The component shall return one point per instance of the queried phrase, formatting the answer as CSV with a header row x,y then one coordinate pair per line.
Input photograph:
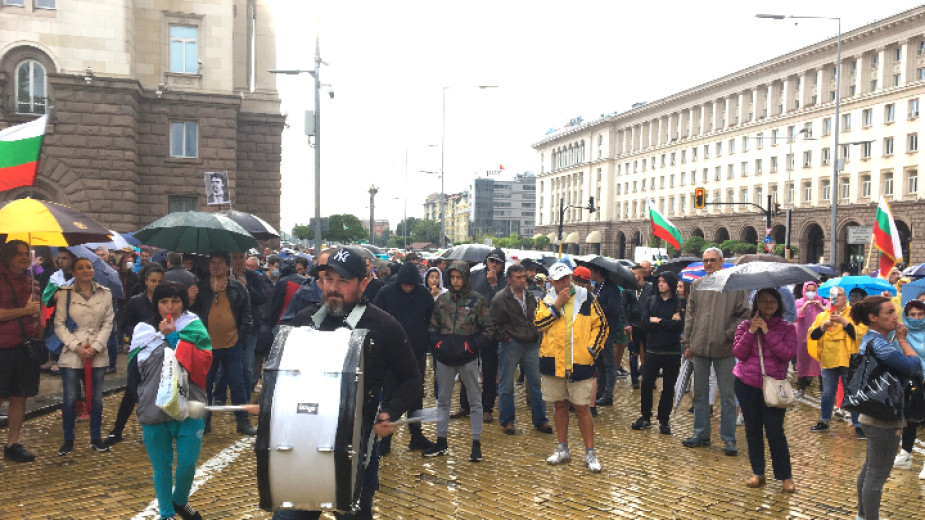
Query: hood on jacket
x,y
670,278
440,284
463,269
497,254
408,274
286,267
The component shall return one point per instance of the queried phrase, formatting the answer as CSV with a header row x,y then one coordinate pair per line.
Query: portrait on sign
x,y
217,188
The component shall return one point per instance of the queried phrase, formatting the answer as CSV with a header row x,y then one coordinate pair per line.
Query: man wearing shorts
x,y
574,332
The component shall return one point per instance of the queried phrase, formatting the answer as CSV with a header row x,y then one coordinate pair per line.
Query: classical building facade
x,y
457,214
766,130
502,207
143,99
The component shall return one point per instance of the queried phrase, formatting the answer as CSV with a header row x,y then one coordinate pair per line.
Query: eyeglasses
x,y
710,260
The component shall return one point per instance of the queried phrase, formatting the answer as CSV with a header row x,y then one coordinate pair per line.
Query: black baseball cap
x,y
348,262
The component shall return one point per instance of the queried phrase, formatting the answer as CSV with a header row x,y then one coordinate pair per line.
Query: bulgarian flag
x,y
886,238
663,228
19,153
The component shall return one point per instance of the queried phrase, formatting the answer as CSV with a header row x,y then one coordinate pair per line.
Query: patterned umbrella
x,y
695,271
256,226
196,232
42,223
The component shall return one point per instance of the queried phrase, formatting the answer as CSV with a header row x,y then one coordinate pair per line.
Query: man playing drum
x,y
390,353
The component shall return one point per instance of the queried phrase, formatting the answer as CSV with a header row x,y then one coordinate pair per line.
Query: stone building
x,y
502,207
767,130
457,214
143,99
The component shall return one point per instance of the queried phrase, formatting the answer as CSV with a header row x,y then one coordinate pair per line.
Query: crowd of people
x,y
565,329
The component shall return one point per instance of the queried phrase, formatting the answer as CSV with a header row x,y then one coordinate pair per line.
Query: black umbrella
x,y
616,272
757,275
372,249
256,226
676,265
474,253
822,269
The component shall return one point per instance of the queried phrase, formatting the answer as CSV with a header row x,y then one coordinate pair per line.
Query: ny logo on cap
x,y
342,255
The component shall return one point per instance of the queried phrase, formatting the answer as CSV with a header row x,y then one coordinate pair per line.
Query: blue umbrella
x,y
130,238
103,273
695,271
912,291
872,286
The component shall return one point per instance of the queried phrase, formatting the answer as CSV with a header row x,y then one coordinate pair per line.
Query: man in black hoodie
x,y
411,305
488,282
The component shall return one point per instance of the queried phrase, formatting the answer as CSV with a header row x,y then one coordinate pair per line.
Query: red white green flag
x,y
19,153
663,228
886,238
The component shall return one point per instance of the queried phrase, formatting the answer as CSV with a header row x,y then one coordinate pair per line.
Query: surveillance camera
x,y
331,93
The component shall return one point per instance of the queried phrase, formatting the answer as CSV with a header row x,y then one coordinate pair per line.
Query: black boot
x,y
419,442
438,449
244,426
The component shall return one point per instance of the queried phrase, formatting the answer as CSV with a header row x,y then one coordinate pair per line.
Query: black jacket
x,y
372,288
632,301
138,309
479,280
412,310
237,298
511,322
389,357
610,298
663,337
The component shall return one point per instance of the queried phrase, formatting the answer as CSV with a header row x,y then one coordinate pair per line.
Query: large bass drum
x,y
311,444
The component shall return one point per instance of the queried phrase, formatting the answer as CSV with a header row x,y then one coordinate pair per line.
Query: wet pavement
x,y
646,474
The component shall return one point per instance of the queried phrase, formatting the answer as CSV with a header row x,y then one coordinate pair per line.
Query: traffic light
x,y
777,209
700,198
591,205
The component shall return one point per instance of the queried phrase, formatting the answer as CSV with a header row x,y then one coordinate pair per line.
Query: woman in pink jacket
x,y
808,307
779,344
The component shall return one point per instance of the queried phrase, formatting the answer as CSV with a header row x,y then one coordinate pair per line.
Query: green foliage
x,y
425,231
794,250
541,242
303,231
737,247
345,228
695,246
401,230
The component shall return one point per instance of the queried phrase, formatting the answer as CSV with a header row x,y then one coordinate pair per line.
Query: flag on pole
x,y
663,228
886,238
19,153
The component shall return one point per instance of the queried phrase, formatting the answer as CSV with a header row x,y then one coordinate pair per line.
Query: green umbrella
x,y
196,232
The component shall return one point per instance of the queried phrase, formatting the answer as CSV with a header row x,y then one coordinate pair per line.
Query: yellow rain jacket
x,y
572,336
835,347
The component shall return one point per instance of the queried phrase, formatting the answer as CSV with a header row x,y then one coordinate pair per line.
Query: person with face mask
x,y
808,307
914,319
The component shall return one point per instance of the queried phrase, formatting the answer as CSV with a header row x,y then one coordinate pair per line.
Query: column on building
x,y
696,120
685,124
717,115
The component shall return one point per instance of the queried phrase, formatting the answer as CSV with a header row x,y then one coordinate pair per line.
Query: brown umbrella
x,y
759,257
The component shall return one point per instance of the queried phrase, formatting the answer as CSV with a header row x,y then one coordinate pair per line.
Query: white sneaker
x,y
559,456
922,474
591,462
903,460
740,420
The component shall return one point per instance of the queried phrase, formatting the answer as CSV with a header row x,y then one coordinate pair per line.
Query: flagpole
x,y
870,253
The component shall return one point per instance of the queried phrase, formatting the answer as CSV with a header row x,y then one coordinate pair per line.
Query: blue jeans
x,y
725,380
70,378
230,360
370,486
830,378
250,347
511,353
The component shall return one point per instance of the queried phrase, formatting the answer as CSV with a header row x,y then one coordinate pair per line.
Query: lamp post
x,y
836,162
442,148
373,190
315,73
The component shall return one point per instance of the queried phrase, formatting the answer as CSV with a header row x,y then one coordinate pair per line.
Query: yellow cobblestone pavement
x,y
646,474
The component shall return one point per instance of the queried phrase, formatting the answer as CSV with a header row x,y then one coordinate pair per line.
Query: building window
x,y
874,62
807,158
758,166
827,126
845,189
866,149
912,143
807,192
865,186
14,3
684,178
183,49
683,156
730,174
846,122
732,146
899,54
177,203
743,196
896,80
671,181
694,153
913,108
184,139
30,88
760,144
706,150
826,190
912,181
661,182
889,113
774,164
759,195
888,184
774,135
867,117
826,155
44,4
920,74
887,146
921,50
790,188
718,176
744,169
719,149
790,162
873,85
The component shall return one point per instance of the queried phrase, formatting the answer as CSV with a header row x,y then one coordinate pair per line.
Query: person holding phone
x,y
778,342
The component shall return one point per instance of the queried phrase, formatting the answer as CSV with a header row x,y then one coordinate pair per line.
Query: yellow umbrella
x,y
42,223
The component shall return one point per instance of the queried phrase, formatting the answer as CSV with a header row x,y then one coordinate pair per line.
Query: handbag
x,y
173,387
53,343
35,348
914,409
777,392
873,389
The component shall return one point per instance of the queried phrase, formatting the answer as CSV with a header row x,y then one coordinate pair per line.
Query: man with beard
x,y
388,357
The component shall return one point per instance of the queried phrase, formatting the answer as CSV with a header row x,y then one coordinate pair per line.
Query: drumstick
x,y
425,415
198,409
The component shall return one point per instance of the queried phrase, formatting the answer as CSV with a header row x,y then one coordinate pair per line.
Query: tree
x,y
303,231
405,227
695,246
384,239
541,242
779,250
345,228
426,231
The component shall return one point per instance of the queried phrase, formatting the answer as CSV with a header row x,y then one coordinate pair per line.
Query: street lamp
x,y
836,166
442,148
315,73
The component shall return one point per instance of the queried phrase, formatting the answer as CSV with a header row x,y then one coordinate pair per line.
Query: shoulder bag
x,y
777,392
35,348
873,389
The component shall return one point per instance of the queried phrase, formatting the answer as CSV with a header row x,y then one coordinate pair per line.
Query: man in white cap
x,y
574,332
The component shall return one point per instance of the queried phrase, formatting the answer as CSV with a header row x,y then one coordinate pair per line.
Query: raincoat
x,y
835,347
807,366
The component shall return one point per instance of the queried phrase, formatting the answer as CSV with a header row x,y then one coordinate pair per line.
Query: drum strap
x,y
350,321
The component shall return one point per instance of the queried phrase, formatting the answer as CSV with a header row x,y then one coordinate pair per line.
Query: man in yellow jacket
x,y
574,331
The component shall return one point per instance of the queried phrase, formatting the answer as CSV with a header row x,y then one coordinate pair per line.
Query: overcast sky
x,y
551,61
